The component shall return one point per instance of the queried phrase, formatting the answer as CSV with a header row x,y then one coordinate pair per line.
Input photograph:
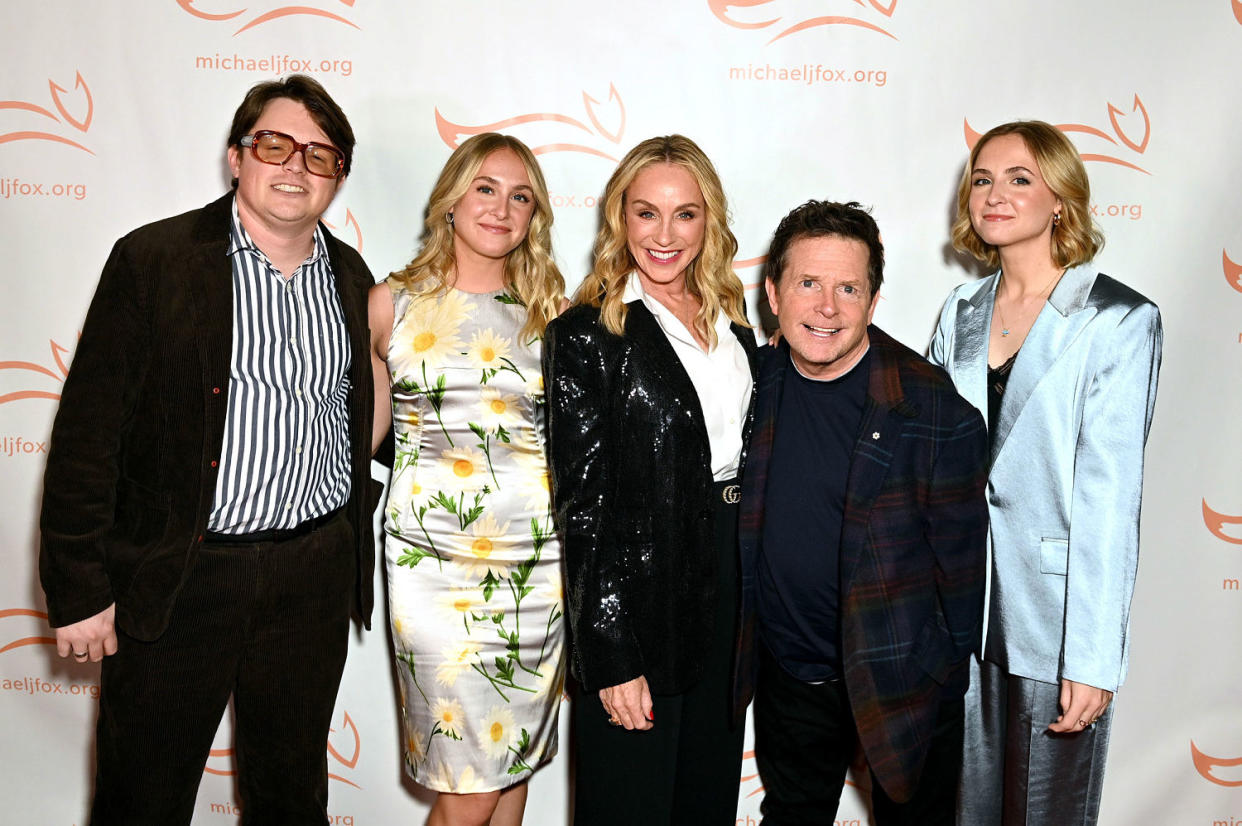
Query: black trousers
x,y
805,741
687,768
265,623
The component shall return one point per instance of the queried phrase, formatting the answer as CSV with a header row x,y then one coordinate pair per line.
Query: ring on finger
x,y
81,655
614,721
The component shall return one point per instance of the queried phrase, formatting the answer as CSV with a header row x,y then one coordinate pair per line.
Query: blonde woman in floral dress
x,y
473,562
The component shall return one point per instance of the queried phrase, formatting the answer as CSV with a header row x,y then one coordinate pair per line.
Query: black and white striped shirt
x,y
286,436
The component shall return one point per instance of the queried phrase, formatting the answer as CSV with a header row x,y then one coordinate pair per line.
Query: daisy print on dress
x,y
499,737
499,410
429,332
430,328
462,476
415,486
489,353
442,778
414,752
405,657
498,413
509,672
449,717
456,658
552,595
488,542
480,623
460,605
533,482
553,680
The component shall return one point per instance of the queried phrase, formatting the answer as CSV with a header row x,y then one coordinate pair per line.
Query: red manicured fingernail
x,y
651,715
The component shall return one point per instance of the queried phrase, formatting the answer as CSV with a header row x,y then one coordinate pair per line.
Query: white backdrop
x,y
113,114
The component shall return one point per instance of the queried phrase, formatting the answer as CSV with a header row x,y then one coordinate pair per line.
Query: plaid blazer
x,y
912,555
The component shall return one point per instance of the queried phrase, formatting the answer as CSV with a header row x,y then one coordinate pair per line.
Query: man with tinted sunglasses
x,y
206,523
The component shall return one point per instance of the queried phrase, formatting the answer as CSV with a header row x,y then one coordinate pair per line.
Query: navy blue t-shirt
x,y
799,568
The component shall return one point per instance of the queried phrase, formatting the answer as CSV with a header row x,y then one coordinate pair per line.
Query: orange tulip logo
x,y
785,26
1119,137
1233,271
224,765
1216,523
747,757
564,133
350,220
1207,766
57,373
1237,10
21,640
194,7
81,92
750,280
354,741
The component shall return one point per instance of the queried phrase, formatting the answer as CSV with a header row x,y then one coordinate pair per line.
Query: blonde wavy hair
x,y
1076,239
530,271
709,277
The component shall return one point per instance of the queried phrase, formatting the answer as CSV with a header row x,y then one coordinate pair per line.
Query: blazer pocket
x,y
141,529
933,649
1054,556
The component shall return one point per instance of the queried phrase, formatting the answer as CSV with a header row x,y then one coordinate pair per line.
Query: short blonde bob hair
x,y
1075,239
709,277
530,271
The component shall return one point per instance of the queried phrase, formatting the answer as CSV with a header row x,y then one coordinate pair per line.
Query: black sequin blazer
x,y
631,478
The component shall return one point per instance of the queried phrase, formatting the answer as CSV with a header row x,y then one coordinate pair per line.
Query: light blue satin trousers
x,y
1017,773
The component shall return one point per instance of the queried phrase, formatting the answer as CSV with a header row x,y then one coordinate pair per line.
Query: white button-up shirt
x,y
721,378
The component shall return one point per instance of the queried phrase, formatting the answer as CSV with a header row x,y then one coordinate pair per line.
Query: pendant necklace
x,y
1047,290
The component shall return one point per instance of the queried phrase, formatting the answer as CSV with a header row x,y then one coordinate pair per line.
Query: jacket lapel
x,y
654,348
350,286
209,275
970,344
1060,321
351,289
746,337
763,433
884,415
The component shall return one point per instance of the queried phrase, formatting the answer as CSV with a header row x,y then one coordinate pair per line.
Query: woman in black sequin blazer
x,y
649,379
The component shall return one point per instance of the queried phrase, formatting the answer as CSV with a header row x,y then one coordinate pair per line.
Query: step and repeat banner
x,y
114,114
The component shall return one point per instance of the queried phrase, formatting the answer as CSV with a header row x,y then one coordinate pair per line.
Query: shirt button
x,y
299,450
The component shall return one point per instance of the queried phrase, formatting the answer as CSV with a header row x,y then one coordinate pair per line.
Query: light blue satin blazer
x,y
1066,481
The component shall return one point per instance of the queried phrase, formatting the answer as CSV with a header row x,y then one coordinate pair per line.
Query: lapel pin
x,y
875,435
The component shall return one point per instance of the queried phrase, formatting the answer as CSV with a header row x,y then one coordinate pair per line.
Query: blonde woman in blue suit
x,y
1062,360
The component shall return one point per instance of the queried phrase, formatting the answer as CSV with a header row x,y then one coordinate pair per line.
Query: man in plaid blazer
x,y
863,541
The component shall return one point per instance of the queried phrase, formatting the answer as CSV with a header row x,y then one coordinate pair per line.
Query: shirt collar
x,y
853,366
240,240
668,321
